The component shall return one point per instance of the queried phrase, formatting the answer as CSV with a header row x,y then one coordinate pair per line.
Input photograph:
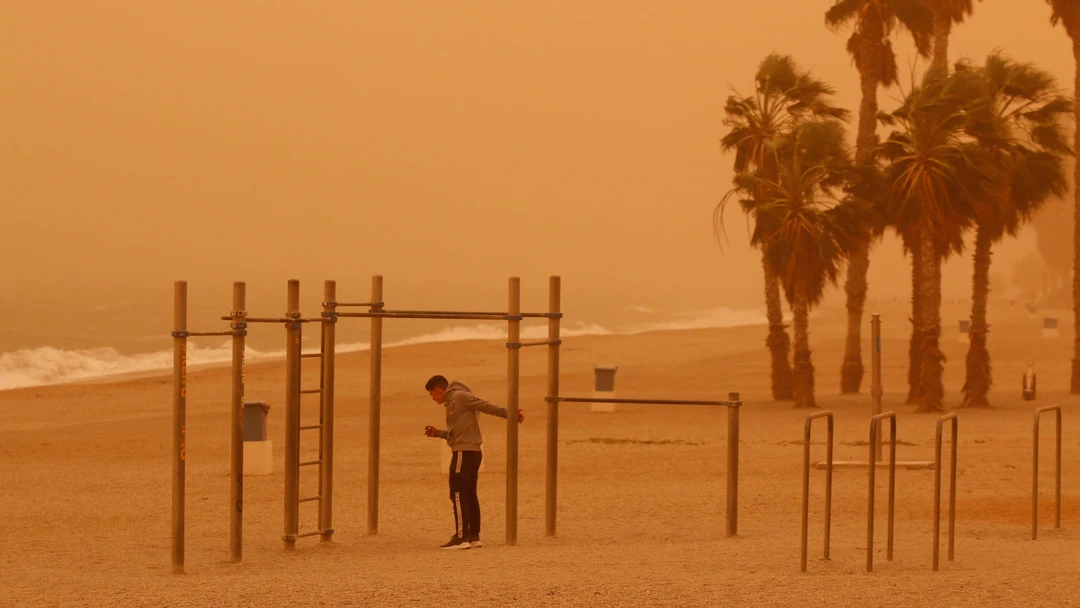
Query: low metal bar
x,y
193,334
310,426
309,463
529,315
383,315
806,483
639,401
533,343
950,417
306,534
310,391
310,355
1035,472
362,304
874,420
311,499
265,319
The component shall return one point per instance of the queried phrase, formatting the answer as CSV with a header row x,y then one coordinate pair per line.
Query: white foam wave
x,y
49,365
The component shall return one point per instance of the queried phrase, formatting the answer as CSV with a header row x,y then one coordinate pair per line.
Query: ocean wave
x,y
49,365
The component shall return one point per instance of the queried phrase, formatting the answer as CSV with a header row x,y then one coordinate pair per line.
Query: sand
x,y
85,475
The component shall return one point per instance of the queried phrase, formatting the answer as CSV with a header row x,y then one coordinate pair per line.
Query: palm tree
x,y
783,96
1016,114
945,14
1067,13
871,47
808,232
933,179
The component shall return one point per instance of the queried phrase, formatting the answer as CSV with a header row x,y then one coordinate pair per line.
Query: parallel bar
x,y
310,427
340,304
310,499
533,315
381,315
292,419
876,390
733,465
310,355
310,391
1035,472
551,498
306,534
937,488
874,420
309,463
806,483
263,319
641,401
326,448
512,375
548,342
236,486
194,334
179,469
374,407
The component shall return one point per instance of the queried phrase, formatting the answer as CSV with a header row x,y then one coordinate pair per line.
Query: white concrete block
x,y
258,457
602,407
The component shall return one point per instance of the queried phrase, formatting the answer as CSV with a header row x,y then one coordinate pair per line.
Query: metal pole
x,y
512,367
828,484
236,493
952,490
876,390
733,465
892,486
292,417
179,422
937,495
1057,473
326,446
806,484
374,407
551,502
1035,481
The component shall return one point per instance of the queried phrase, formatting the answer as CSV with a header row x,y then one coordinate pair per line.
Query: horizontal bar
x,y
310,462
310,391
556,315
310,355
308,534
368,304
310,426
280,319
189,334
385,315
311,499
639,401
533,343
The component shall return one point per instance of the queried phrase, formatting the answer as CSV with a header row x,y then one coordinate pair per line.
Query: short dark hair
x,y
436,382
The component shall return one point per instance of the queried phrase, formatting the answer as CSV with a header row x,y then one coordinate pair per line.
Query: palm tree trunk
x,y
778,342
932,364
1074,385
804,368
942,29
978,379
851,371
915,346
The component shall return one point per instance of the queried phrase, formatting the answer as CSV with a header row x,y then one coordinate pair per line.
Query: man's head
x,y
436,387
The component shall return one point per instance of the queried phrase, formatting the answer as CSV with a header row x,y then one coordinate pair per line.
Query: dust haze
x,y
443,145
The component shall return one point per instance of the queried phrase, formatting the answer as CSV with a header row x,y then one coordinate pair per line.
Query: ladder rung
x,y
311,462
311,499
308,534
310,355
310,391
311,426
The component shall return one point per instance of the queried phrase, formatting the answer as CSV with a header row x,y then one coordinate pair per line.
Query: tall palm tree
x,y
810,231
933,180
870,45
783,96
945,13
1016,114
1067,13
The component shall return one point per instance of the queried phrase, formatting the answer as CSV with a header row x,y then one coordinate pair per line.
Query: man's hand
x,y
429,431
521,416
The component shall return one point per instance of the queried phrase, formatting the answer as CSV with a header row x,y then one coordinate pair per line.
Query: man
x,y
463,434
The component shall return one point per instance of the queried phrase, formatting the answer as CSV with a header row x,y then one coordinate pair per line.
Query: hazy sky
x,y
142,142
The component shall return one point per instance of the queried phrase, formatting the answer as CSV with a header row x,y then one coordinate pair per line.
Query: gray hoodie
x,y
462,421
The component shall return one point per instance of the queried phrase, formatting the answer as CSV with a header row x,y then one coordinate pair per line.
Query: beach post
x,y
236,460
733,464
876,391
828,415
179,422
326,412
554,307
374,407
292,416
513,356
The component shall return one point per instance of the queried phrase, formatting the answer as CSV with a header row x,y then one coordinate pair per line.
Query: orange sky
x,y
142,142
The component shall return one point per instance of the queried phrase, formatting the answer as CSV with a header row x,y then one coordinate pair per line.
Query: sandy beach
x,y
85,472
